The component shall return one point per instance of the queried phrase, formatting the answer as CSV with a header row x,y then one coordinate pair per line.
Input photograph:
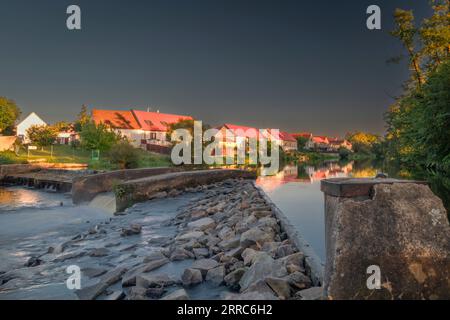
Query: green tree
x,y
124,155
83,118
362,141
9,113
98,137
42,136
301,143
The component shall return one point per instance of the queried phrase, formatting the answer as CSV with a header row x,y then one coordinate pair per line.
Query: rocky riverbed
x,y
220,241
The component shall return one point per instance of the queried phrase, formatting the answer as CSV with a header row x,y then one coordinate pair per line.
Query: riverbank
x,y
220,241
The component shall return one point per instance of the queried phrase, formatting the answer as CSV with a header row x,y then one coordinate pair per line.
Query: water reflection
x,y
296,191
14,198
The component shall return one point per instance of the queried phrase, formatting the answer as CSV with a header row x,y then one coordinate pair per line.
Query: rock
x,y
204,265
216,275
260,286
232,279
116,295
255,236
129,279
133,229
248,255
268,222
285,250
59,248
190,235
291,268
180,294
230,243
294,259
93,272
197,214
262,213
108,279
155,293
137,293
191,277
270,248
235,253
200,252
313,293
33,262
263,266
299,281
158,195
401,227
154,281
226,233
99,252
202,224
180,254
280,286
154,256
69,255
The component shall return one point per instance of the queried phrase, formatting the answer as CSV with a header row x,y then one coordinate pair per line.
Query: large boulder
x,y
255,236
202,224
191,277
263,266
204,265
385,239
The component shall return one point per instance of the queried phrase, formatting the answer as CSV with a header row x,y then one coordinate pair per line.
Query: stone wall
x,y
139,190
385,239
85,188
11,169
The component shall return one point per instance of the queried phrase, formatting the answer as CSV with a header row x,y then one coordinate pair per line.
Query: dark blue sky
x,y
293,65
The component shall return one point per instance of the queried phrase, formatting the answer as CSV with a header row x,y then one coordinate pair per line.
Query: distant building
x,y
31,120
336,144
285,140
309,144
140,127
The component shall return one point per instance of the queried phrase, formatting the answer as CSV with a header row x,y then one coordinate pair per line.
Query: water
x,y
17,198
296,191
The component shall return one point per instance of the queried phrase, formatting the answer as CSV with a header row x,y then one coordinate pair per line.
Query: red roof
x,y
302,134
115,118
320,139
242,131
283,136
155,121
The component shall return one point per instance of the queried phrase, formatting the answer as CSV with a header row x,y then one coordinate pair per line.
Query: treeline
x,y
418,123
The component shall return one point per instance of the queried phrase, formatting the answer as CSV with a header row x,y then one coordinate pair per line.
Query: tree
x,y
63,126
301,143
42,136
9,113
98,137
82,119
362,141
124,155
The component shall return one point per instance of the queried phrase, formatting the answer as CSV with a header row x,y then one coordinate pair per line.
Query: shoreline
x,y
193,258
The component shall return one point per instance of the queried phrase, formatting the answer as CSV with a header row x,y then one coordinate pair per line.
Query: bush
x,y
124,155
344,153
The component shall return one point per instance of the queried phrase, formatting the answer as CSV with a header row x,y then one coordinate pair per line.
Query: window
x,y
152,135
148,122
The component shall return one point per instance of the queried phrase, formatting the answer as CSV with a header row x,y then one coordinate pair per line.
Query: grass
x,y
67,154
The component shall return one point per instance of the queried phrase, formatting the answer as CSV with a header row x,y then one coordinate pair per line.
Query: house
x,y
336,144
67,136
320,143
285,140
31,120
155,125
309,144
139,127
241,135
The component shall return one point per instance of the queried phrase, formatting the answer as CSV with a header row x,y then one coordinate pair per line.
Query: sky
x,y
292,65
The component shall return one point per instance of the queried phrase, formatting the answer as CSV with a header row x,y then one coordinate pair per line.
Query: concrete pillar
x,y
385,239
